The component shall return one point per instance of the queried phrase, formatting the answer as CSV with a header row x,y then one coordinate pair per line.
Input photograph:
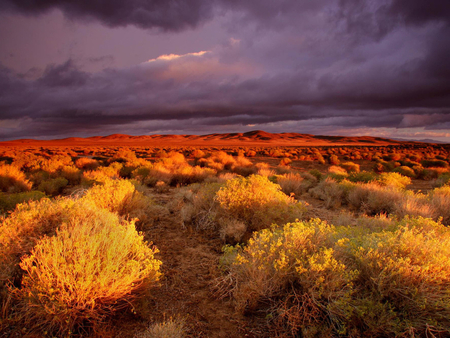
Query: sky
x,y
326,67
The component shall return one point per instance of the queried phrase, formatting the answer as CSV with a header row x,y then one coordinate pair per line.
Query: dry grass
x,y
172,328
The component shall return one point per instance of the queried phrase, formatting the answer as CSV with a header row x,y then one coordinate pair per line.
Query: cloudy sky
x,y
348,67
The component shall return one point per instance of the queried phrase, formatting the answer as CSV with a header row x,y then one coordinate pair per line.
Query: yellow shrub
x,y
440,203
383,279
394,180
404,278
91,268
295,269
258,202
12,179
102,174
120,196
86,163
20,231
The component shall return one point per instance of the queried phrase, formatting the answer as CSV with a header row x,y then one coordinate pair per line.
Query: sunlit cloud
x,y
170,57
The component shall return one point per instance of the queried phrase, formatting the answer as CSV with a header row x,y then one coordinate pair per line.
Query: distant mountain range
x,y
251,138
425,140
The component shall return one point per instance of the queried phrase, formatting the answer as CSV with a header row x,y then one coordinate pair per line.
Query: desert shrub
x,y
334,160
174,170
101,174
394,180
295,271
383,280
142,172
332,192
8,202
53,186
258,202
86,163
383,166
197,154
316,173
443,179
250,153
264,169
319,157
123,156
197,205
350,166
334,169
121,197
71,174
434,163
362,177
281,170
439,198
403,278
414,204
374,199
92,267
405,171
172,328
20,231
12,179
293,184
285,161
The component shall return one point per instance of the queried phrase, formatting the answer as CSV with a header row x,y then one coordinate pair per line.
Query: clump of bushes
x,y
405,171
86,163
122,197
314,279
173,170
434,163
53,186
8,202
13,180
92,267
296,184
237,206
258,202
350,166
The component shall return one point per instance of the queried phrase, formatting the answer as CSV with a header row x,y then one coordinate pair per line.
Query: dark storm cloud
x,y
164,14
65,75
67,99
378,16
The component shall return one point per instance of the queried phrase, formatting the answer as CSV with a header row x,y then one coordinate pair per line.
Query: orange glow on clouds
x,y
169,57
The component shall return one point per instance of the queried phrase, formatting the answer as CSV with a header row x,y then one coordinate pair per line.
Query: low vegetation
x,y
317,242
315,279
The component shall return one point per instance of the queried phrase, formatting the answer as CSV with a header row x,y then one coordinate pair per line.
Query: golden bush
x,y
377,278
258,202
91,268
12,179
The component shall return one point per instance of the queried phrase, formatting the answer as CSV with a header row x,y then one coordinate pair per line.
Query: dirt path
x,y
190,267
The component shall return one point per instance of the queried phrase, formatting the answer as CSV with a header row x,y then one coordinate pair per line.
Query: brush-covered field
x,y
147,242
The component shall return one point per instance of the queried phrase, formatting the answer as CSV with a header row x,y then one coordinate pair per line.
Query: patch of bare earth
x,y
190,267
